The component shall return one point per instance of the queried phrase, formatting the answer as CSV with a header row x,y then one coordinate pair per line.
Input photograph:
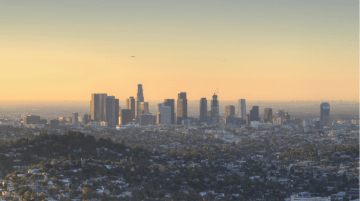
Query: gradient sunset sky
x,y
257,50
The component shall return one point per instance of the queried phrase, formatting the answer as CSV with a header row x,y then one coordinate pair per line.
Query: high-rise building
x,y
146,119
268,115
181,107
242,109
171,103
98,107
139,99
324,114
165,117
75,117
254,113
286,119
229,110
110,111
215,109
248,121
158,116
117,108
61,120
203,110
125,116
54,123
280,113
31,119
130,104
86,118
144,107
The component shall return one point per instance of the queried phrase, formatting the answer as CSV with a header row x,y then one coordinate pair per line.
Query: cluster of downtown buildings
x,y
106,112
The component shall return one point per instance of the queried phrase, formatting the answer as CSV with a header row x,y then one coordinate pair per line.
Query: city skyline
x,y
287,51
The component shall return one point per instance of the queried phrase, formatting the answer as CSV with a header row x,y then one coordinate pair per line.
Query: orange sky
x,y
286,51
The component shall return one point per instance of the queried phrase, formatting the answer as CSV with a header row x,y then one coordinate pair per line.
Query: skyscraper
x,y
130,104
248,121
229,110
125,116
324,114
242,108
75,117
215,109
158,117
165,115
110,111
117,108
144,108
280,113
146,119
203,110
254,113
171,103
268,115
139,99
31,119
286,119
86,118
97,107
181,107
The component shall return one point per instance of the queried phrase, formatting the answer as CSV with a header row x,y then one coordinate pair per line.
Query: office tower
x,y
307,123
97,107
280,113
203,110
144,108
254,114
54,123
117,107
248,121
125,116
286,119
324,114
229,110
86,118
139,99
75,117
110,111
317,124
69,119
242,108
31,119
215,109
181,107
61,120
165,115
268,115
146,119
158,116
130,104
171,103
279,120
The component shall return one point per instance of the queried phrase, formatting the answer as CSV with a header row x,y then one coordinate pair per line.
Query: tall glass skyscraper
x,y
203,110
181,107
139,99
324,114
242,109
215,109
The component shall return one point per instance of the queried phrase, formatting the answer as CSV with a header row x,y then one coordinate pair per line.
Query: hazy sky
x,y
257,50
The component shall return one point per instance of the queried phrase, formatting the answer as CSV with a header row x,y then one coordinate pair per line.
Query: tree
x,y
87,193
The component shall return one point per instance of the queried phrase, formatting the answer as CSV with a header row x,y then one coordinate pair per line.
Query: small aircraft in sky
x,y
132,56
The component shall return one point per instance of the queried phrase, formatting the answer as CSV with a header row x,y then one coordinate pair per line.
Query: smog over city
x,y
179,100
